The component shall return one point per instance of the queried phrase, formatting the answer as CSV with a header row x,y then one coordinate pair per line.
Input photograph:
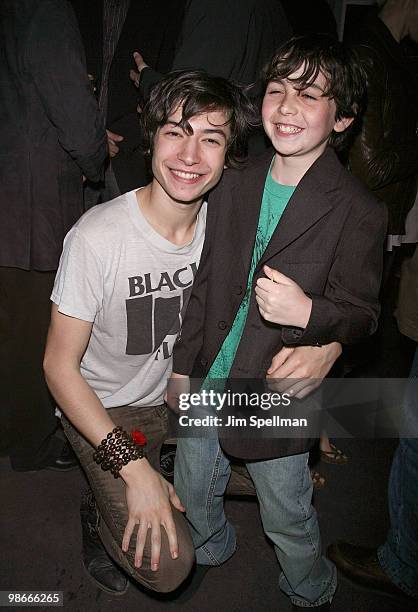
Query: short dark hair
x,y
198,92
321,53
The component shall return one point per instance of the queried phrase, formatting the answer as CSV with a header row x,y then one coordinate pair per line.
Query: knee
x,y
175,571
171,572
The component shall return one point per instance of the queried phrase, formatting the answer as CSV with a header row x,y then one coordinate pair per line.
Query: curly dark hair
x,y
321,53
197,92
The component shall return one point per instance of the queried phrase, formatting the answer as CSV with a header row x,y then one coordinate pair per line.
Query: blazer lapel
x,y
309,203
246,198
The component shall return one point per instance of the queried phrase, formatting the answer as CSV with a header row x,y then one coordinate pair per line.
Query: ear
x,y
343,123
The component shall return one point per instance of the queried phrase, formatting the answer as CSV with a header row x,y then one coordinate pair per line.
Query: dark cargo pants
x,y
110,497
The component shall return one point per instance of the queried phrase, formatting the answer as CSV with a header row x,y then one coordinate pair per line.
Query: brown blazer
x,y
329,240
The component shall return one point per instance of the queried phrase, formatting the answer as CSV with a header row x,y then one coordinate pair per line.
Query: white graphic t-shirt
x,y
117,272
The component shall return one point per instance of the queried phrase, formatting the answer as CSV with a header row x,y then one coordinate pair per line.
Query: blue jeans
x,y
284,490
398,556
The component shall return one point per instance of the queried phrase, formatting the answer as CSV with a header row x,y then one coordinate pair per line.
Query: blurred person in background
x,y
384,154
233,39
52,135
111,31
393,566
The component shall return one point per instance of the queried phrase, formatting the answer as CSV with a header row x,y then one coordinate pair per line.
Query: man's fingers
x,y
262,306
112,139
276,276
262,312
113,136
130,525
155,545
113,149
263,288
170,529
281,384
285,370
139,61
140,542
284,375
174,498
307,387
279,359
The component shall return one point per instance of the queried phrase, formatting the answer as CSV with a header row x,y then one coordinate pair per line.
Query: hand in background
x,y
140,64
112,139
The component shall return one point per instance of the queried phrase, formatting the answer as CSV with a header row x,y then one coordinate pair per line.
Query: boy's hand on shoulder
x,y
280,300
149,497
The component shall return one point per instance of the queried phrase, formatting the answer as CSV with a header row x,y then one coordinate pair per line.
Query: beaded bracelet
x,y
118,449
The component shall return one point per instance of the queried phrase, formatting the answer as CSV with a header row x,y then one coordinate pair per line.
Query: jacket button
x,y
204,362
243,370
222,325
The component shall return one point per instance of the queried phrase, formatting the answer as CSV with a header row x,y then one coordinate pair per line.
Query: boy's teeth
x,y
186,175
288,129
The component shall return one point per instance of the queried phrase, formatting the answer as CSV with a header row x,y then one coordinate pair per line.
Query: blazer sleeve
x,y
56,63
349,309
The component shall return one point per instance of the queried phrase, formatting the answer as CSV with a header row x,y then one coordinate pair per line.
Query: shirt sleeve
x,y
78,287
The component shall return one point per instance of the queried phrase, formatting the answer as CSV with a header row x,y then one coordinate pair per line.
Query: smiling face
x,y
186,166
299,121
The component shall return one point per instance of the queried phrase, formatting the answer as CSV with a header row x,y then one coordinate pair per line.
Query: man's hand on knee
x,y
300,370
149,497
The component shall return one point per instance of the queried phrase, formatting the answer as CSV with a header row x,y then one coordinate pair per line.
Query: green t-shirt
x,y
274,202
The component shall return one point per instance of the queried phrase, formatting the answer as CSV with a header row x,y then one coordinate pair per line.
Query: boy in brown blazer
x,y
292,256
